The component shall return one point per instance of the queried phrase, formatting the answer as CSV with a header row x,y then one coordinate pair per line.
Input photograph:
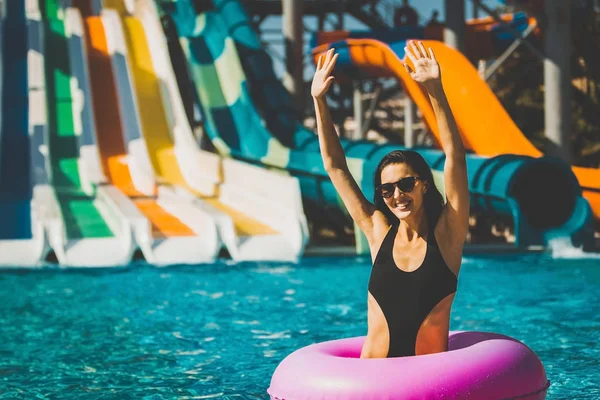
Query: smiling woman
x,y
415,239
417,173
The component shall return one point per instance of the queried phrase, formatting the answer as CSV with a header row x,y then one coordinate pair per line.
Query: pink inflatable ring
x,y
478,365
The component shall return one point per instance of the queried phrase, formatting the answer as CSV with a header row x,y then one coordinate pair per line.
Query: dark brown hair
x,y
432,198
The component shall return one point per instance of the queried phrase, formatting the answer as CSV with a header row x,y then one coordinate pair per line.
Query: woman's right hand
x,y
322,79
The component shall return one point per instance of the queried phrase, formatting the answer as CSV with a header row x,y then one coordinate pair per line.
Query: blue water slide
x,y
15,178
249,115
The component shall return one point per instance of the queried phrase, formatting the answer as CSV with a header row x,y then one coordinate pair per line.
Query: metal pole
x,y
475,10
409,136
557,77
340,14
359,116
489,72
516,34
321,17
481,68
294,67
372,105
454,32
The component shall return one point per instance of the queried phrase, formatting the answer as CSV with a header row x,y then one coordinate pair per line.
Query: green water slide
x,y
81,216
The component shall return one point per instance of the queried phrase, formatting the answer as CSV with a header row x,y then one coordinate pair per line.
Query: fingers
x,y
422,49
332,64
328,82
320,62
415,49
408,68
418,50
328,57
431,54
410,55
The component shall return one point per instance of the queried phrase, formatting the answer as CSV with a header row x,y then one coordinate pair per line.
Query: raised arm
x,y
455,216
334,160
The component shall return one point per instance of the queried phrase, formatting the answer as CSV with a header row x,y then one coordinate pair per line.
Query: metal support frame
x,y
340,14
454,31
516,34
409,110
557,78
372,104
294,62
363,119
321,19
258,20
358,109
491,70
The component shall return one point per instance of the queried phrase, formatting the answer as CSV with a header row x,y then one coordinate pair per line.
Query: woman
x,y
416,240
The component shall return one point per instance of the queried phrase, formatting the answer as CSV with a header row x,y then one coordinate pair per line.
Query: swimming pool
x,y
219,331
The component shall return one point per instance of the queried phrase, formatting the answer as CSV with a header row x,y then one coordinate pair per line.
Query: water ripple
x,y
219,331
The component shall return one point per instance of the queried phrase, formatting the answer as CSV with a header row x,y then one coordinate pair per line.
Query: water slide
x,y
96,230
25,199
484,37
240,196
249,115
167,229
485,126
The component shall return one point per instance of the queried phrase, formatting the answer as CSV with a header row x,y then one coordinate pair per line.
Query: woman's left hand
x,y
426,68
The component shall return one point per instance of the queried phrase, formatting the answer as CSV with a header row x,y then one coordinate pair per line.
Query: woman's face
x,y
402,193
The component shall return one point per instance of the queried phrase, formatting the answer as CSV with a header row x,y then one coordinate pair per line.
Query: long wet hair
x,y
432,199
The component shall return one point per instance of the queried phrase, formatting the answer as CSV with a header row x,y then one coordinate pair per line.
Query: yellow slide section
x,y
484,124
155,127
110,135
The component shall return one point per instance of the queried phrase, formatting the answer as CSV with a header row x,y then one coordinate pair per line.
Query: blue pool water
x,y
219,331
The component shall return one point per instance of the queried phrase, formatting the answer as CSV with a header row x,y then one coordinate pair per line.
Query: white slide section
x,y
192,237
115,251
90,169
79,252
89,252
204,247
203,176
138,160
243,187
203,244
117,211
274,200
159,137
44,208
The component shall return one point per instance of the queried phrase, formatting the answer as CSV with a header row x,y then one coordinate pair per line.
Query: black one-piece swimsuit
x,y
407,298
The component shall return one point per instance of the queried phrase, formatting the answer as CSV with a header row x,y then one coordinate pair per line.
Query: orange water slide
x,y
110,136
485,126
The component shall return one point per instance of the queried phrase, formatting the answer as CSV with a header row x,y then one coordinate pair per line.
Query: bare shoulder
x,y
450,244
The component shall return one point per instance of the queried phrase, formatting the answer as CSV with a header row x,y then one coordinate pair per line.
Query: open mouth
x,y
403,204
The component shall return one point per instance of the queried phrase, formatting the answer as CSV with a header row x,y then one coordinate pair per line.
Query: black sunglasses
x,y
405,185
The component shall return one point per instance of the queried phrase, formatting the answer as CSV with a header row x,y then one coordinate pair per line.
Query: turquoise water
x,y
219,331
